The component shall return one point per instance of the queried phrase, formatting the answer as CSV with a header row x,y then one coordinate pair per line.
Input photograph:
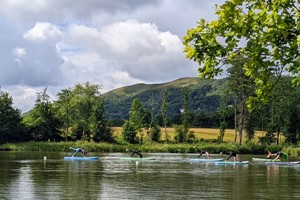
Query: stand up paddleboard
x,y
206,159
137,159
232,163
283,163
262,159
80,158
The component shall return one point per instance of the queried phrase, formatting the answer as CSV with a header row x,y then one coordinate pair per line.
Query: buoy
x,y
45,157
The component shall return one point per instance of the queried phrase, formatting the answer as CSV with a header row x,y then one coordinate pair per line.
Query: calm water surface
x,y
25,175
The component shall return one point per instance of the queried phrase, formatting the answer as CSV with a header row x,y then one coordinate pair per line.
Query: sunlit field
x,y
200,134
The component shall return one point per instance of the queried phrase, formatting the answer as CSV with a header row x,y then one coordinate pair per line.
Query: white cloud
x,y
43,31
19,52
136,49
59,43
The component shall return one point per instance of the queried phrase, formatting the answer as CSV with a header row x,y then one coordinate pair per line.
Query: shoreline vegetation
x,y
205,140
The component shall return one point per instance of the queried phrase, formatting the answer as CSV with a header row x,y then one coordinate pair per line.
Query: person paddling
x,y
231,154
279,155
79,150
203,152
134,151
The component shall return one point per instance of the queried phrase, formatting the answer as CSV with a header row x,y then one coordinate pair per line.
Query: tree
x,y
223,114
11,128
137,116
128,132
83,98
164,108
155,133
100,131
63,105
241,87
186,112
265,32
42,121
284,111
135,123
182,130
153,130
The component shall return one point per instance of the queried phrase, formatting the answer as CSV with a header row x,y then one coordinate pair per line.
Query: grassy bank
x,y
204,141
153,148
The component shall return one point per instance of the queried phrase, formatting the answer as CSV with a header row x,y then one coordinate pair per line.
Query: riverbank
x,y
250,148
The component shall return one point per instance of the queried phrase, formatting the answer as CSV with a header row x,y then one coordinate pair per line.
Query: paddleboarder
x,y
231,154
134,151
279,155
203,152
84,152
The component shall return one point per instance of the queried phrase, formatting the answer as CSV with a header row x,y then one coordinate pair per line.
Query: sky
x,y
112,43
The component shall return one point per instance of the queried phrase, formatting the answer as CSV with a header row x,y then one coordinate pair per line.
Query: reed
x,y
149,147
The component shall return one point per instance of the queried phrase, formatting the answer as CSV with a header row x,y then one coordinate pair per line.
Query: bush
x,y
155,133
129,133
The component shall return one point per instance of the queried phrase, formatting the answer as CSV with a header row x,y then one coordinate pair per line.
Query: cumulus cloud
x,y
43,31
139,49
59,43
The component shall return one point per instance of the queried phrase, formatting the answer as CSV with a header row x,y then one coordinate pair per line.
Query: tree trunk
x,y
241,122
235,131
278,135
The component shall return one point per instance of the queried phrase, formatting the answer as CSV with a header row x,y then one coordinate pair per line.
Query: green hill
x,y
203,95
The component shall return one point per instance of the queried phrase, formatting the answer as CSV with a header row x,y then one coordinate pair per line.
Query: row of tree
x,y
78,114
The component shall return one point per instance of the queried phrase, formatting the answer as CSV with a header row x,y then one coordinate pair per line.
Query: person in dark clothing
x,y
231,154
79,150
134,151
279,155
203,152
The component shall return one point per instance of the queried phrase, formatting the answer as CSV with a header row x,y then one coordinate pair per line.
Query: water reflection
x,y
171,176
22,186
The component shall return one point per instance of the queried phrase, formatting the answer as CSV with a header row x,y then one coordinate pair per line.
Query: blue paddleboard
x,y
79,158
232,163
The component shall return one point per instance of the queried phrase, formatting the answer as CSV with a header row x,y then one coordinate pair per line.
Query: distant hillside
x,y
204,95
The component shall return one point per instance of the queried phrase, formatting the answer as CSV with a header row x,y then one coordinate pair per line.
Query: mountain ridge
x,y
204,94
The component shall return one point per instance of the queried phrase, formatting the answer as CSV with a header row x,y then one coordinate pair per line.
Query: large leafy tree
x,y
11,128
63,105
241,87
83,98
265,32
42,121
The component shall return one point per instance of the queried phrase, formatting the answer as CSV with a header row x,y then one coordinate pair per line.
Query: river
x,y
26,175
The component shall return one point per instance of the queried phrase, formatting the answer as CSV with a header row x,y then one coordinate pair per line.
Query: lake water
x,y
25,175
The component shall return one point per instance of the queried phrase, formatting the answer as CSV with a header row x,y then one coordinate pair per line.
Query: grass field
x,y
200,133
204,137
